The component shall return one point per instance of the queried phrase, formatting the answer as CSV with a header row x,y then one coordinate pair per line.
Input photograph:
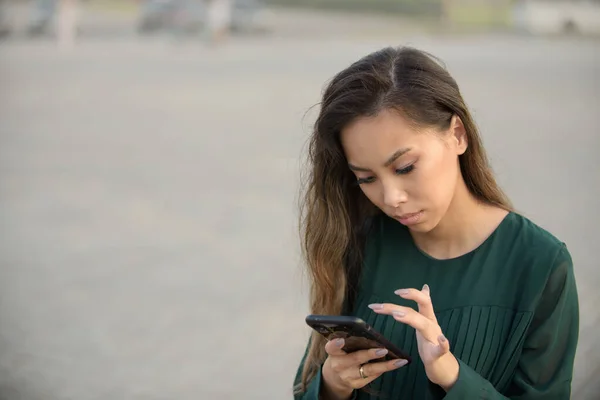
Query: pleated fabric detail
x,y
487,338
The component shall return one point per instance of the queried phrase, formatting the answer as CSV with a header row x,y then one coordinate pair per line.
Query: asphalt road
x,y
147,201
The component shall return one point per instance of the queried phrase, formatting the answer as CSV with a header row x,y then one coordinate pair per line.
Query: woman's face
x,y
410,174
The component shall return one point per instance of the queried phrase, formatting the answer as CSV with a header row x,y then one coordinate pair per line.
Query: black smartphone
x,y
357,334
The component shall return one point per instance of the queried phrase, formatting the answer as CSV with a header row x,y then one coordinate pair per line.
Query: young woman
x,y
405,227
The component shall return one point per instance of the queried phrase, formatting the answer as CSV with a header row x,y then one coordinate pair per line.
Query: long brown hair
x,y
335,214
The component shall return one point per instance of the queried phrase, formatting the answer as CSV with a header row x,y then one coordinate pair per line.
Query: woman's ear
x,y
458,135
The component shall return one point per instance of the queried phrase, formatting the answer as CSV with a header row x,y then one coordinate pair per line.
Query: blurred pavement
x,y
147,199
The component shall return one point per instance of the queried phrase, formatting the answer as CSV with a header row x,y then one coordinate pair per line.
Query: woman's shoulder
x,y
522,233
530,250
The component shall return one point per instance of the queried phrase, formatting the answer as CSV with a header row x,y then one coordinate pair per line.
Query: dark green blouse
x,y
509,309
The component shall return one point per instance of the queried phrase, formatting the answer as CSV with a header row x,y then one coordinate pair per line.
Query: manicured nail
x,y
400,363
442,338
401,292
376,306
399,314
339,342
426,288
381,352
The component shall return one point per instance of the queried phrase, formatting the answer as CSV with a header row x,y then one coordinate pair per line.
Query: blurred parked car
x,y
190,15
557,16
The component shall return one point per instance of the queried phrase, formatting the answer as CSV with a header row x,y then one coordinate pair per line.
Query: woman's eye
x,y
405,170
371,179
362,181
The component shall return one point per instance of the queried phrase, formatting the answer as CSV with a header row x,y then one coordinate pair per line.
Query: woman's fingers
x,y
422,298
443,346
426,327
407,315
371,372
379,368
356,359
334,347
345,368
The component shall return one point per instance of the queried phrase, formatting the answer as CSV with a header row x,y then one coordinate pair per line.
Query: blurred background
x,y
150,154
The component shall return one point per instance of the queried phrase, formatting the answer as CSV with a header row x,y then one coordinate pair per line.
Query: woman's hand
x,y
440,365
342,371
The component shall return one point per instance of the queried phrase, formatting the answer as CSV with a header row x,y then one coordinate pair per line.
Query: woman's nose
x,y
394,195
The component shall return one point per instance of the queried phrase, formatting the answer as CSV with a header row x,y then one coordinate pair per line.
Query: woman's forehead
x,y
382,134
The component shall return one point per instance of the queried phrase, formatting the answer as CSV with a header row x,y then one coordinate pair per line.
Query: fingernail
x,y
442,338
400,363
426,288
376,306
401,292
339,342
381,352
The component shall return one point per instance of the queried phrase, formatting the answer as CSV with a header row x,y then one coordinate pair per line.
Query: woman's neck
x,y
466,225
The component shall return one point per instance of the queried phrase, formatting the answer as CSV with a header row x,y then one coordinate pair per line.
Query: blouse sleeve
x,y
545,368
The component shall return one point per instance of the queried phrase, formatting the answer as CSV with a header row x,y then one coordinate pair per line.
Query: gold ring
x,y
362,372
